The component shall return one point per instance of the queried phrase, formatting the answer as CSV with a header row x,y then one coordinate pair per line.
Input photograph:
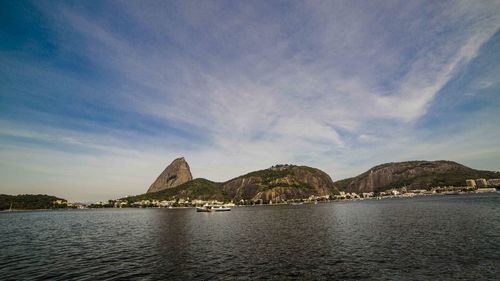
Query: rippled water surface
x,y
437,237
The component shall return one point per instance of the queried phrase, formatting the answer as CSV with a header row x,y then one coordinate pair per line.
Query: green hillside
x,y
29,202
197,188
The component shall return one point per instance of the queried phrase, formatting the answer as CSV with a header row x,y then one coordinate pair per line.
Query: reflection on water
x,y
439,237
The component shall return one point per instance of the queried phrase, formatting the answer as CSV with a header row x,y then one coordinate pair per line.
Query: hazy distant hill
x,y
281,181
29,202
414,174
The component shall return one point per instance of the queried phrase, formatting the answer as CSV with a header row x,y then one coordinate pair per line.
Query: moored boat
x,y
213,208
220,208
203,209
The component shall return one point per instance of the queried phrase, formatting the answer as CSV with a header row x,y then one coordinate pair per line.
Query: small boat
x,y
213,208
220,208
205,209
297,203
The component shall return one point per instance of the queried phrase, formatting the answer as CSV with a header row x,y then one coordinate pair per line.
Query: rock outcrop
x,y
281,182
175,174
413,175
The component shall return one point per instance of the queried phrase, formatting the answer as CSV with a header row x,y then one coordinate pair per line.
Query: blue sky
x,y
97,97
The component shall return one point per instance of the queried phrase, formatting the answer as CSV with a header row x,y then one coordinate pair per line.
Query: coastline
x,y
256,205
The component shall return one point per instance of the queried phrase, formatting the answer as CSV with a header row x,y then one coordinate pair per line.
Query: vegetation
x,y
342,184
31,202
280,176
268,175
197,188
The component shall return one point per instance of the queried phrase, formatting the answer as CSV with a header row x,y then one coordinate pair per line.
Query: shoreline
x,y
255,205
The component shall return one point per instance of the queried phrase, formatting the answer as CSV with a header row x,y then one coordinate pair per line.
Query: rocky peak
x,y
175,174
412,174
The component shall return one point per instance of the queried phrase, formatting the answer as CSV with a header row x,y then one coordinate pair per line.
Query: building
x,y
471,183
353,195
420,191
494,182
60,202
481,183
367,194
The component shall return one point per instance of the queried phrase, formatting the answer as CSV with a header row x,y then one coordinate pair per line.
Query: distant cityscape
x,y
472,186
31,202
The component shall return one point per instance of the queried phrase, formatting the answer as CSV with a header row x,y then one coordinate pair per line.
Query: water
x,y
437,237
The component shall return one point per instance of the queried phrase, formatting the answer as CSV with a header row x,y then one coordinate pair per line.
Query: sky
x,y
98,97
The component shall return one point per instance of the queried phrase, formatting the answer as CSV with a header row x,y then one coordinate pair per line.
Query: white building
x,y
471,183
367,194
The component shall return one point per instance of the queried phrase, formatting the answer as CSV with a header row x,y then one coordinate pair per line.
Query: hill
x,y
31,202
414,175
194,189
280,182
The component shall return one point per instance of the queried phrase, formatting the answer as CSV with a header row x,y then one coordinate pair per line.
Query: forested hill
x,y
31,202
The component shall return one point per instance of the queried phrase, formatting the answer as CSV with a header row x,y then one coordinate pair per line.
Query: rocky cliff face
x,y
175,174
280,182
413,174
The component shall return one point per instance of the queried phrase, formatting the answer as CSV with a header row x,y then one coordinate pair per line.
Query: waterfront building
x,y
353,195
367,194
471,183
395,192
481,183
493,182
197,202
60,202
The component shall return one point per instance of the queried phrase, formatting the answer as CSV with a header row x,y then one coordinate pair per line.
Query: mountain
x,y
175,174
278,182
413,175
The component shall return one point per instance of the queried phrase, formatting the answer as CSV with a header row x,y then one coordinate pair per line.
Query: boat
x,y
213,208
297,203
203,209
220,208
